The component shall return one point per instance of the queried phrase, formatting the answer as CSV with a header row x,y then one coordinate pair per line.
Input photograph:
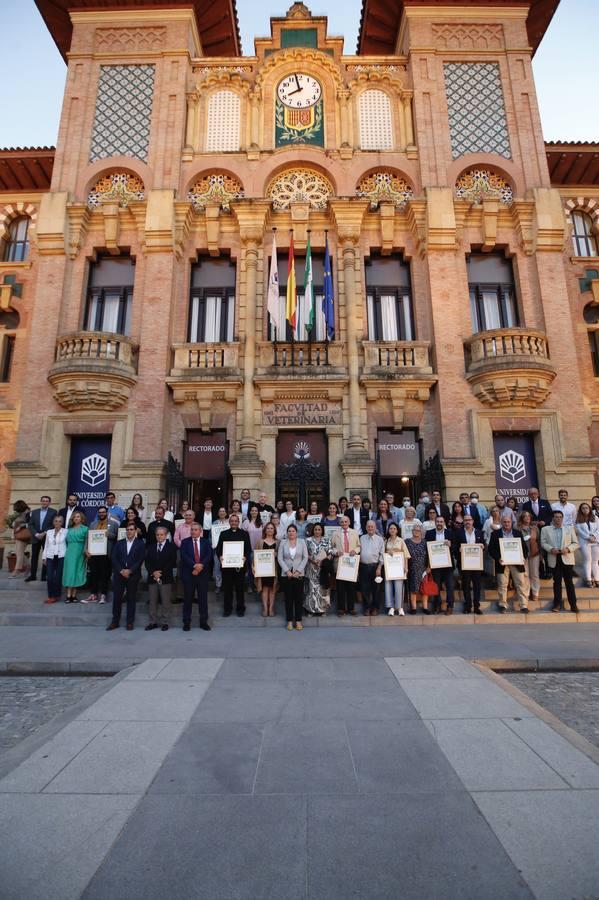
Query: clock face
x,y
299,91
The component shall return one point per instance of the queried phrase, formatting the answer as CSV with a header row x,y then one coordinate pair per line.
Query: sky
x,y
34,73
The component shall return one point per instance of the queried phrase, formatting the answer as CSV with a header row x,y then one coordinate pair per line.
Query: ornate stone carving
x,y
121,188
384,185
303,185
468,37
477,184
509,367
130,40
215,188
93,370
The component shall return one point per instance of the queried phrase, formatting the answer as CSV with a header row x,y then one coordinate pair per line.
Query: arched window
x,y
583,239
376,123
16,248
223,127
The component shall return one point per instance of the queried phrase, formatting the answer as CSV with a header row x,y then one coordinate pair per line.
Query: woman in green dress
x,y
75,562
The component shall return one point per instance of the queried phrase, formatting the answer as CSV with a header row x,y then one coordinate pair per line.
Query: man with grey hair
x,y
504,570
372,548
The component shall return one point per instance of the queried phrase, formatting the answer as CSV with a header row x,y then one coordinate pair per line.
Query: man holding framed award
x,y
346,543
509,551
468,548
438,545
233,559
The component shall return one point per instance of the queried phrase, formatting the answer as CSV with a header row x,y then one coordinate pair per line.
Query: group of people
x,y
350,552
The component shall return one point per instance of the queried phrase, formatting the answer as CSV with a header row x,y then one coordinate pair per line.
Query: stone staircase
x,y
23,604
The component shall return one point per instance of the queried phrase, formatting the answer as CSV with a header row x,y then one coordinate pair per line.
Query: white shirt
x,y
70,511
470,536
568,509
286,519
43,514
129,545
55,544
356,518
207,523
440,535
292,551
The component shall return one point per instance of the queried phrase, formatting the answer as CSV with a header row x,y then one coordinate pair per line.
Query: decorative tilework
x,y
300,184
215,188
477,120
117,187
123,112
224,114
385,186
376,124
477,184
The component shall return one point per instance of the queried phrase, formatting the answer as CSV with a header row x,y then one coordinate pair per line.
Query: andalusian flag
x,y
309,291
291,305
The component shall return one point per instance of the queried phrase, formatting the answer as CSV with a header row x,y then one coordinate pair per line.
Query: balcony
x,y
400,374
509,367
93,370
392,359
205,373
300,359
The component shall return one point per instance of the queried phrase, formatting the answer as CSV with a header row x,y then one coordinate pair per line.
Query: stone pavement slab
x,y
572,765
50,846
155,701
552,838
460,698
250,701
383,847
488,756
247,848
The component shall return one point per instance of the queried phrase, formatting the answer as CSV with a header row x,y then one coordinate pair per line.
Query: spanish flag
x,y
291,304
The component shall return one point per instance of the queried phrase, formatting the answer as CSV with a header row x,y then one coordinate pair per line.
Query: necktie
x,y
345,542
196,552
160,546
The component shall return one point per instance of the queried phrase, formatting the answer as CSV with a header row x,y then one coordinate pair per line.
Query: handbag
x,y
23,534
428,586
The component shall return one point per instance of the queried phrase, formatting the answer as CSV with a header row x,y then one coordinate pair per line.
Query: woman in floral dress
x,y
318,599
417,566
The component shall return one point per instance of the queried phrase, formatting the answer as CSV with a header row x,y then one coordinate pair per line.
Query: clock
x,y
299,91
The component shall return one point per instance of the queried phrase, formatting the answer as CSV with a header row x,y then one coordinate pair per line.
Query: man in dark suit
x,y
469,535
470,509
233,578
41,521
159,521
127,558
72,507
161,559
503,571
442,576
246,503
357,515
196,554
441,507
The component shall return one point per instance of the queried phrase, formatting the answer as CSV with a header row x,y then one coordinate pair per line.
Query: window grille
x,y
376,124
222,132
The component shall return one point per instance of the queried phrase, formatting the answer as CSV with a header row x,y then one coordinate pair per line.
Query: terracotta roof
x,y
573,163
26,168
216,19
380,20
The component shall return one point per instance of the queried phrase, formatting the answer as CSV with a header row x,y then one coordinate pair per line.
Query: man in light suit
x,y
127,558
560,543
41,521
196,554
346,541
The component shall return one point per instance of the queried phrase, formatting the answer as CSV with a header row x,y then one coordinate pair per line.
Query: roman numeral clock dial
x,y
299,91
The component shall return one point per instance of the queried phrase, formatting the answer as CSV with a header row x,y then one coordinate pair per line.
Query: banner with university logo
x,y
89,471
515,465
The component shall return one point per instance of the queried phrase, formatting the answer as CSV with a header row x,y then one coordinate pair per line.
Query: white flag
x,y
273,300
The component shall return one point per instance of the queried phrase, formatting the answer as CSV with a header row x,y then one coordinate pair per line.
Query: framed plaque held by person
x,y
121,534
330,530
471,557
314,519
232,555
179,522
407,529
439,555
264,564
97,542
395,567
347,568
265,517
215,532
511,552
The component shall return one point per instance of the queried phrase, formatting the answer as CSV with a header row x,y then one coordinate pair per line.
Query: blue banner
x,y
89,472
515,465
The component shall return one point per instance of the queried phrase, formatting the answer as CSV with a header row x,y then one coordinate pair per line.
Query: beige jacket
x,y
337,543
569,542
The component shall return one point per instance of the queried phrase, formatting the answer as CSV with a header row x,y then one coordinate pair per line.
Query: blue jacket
x,y
188,561
132,561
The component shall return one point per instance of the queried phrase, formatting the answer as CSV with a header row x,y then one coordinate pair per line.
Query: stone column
x,y
254,120
248,441
346,138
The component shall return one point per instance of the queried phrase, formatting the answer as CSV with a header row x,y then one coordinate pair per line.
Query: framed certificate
x,y
330,530
265,516
313,520
97,542
121,534
264,563
395,567
347,568
511,552
232,555
471,557
215,532
179,522
439,555
407,529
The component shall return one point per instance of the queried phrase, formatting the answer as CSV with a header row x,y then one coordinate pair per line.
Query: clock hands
x,y
297,82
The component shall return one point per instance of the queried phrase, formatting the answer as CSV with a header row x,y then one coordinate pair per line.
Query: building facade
x,y
137,348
